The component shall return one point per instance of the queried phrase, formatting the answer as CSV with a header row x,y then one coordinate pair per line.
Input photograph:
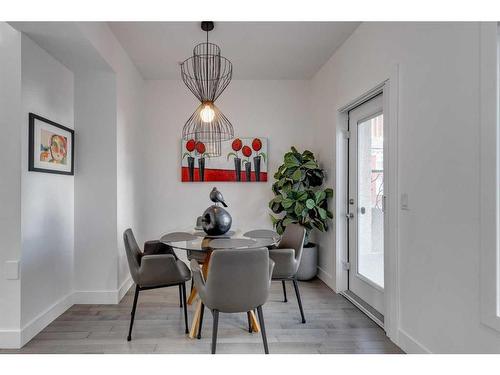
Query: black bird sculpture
x,y
216,196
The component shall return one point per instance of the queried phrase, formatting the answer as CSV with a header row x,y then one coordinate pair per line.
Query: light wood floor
x,y
333,326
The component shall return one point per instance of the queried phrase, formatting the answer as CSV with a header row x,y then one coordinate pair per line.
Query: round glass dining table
x,y
201,242
200,247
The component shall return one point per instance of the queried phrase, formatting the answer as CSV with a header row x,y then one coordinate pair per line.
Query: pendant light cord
x,y
206,65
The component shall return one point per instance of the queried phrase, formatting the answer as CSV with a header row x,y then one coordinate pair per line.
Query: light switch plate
x,y
11,270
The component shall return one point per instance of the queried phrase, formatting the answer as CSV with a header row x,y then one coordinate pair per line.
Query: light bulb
x,y
207,114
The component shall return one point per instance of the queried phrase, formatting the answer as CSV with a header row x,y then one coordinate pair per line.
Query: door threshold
x,y
366,309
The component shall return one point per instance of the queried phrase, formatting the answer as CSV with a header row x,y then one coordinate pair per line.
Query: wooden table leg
x,y
204,270
196,321
192,296
254,322
196,317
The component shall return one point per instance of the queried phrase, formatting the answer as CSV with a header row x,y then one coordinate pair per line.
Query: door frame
x,y
389,89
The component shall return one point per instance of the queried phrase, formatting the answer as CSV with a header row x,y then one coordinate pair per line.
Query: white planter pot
x,y
308,267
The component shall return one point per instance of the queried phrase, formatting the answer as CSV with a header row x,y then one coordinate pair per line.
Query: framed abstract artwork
x,y
51,146
241,160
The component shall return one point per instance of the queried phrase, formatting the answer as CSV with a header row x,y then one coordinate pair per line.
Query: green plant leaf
x,y
264,156
287,203
310,204
297,175
329,192
319,225
277,208
276,200
273,219
291,161
231,154
302,196
184,155
310,164
279,227
319,196
307,155
299,207
322,213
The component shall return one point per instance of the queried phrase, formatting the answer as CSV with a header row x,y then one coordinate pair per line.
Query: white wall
x,y
47,199
71,232
438,123
278,110
96,254
10,183
129,127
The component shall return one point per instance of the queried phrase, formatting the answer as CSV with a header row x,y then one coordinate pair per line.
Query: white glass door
x,y
366,203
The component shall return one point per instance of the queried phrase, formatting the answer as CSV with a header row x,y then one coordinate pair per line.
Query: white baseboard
x,y
124,288
102,297
10,339
32,328
327,278
15,339
410,345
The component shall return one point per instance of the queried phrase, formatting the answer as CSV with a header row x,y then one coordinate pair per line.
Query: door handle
x,y
363,210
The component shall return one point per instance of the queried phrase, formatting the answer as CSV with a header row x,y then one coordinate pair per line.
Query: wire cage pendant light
x,y
207,74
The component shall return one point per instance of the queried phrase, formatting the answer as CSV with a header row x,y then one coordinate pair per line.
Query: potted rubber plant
x,y
236,146
190,146
301,198
200,149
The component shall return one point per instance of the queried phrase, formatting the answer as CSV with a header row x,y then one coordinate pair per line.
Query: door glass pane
x,y
370,199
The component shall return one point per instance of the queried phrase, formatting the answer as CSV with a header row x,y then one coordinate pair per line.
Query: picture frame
x,y
242,159
50,146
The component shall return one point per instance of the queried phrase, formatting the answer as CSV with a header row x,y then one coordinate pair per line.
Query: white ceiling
x,y
258,50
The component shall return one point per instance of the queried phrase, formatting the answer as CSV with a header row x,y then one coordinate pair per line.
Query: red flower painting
x,y
241,160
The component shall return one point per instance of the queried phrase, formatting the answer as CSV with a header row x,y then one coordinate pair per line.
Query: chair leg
x,y
214,329
134,306
180,295
263,329
201,320
284,291
296,286
183,298
249,322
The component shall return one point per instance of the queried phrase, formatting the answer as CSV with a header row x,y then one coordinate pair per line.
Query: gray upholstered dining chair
x,y
286,257
238,281
266,233
154,271
157,247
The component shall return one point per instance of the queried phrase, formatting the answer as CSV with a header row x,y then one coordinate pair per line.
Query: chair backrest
x,y
133,254
238,280
293,238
